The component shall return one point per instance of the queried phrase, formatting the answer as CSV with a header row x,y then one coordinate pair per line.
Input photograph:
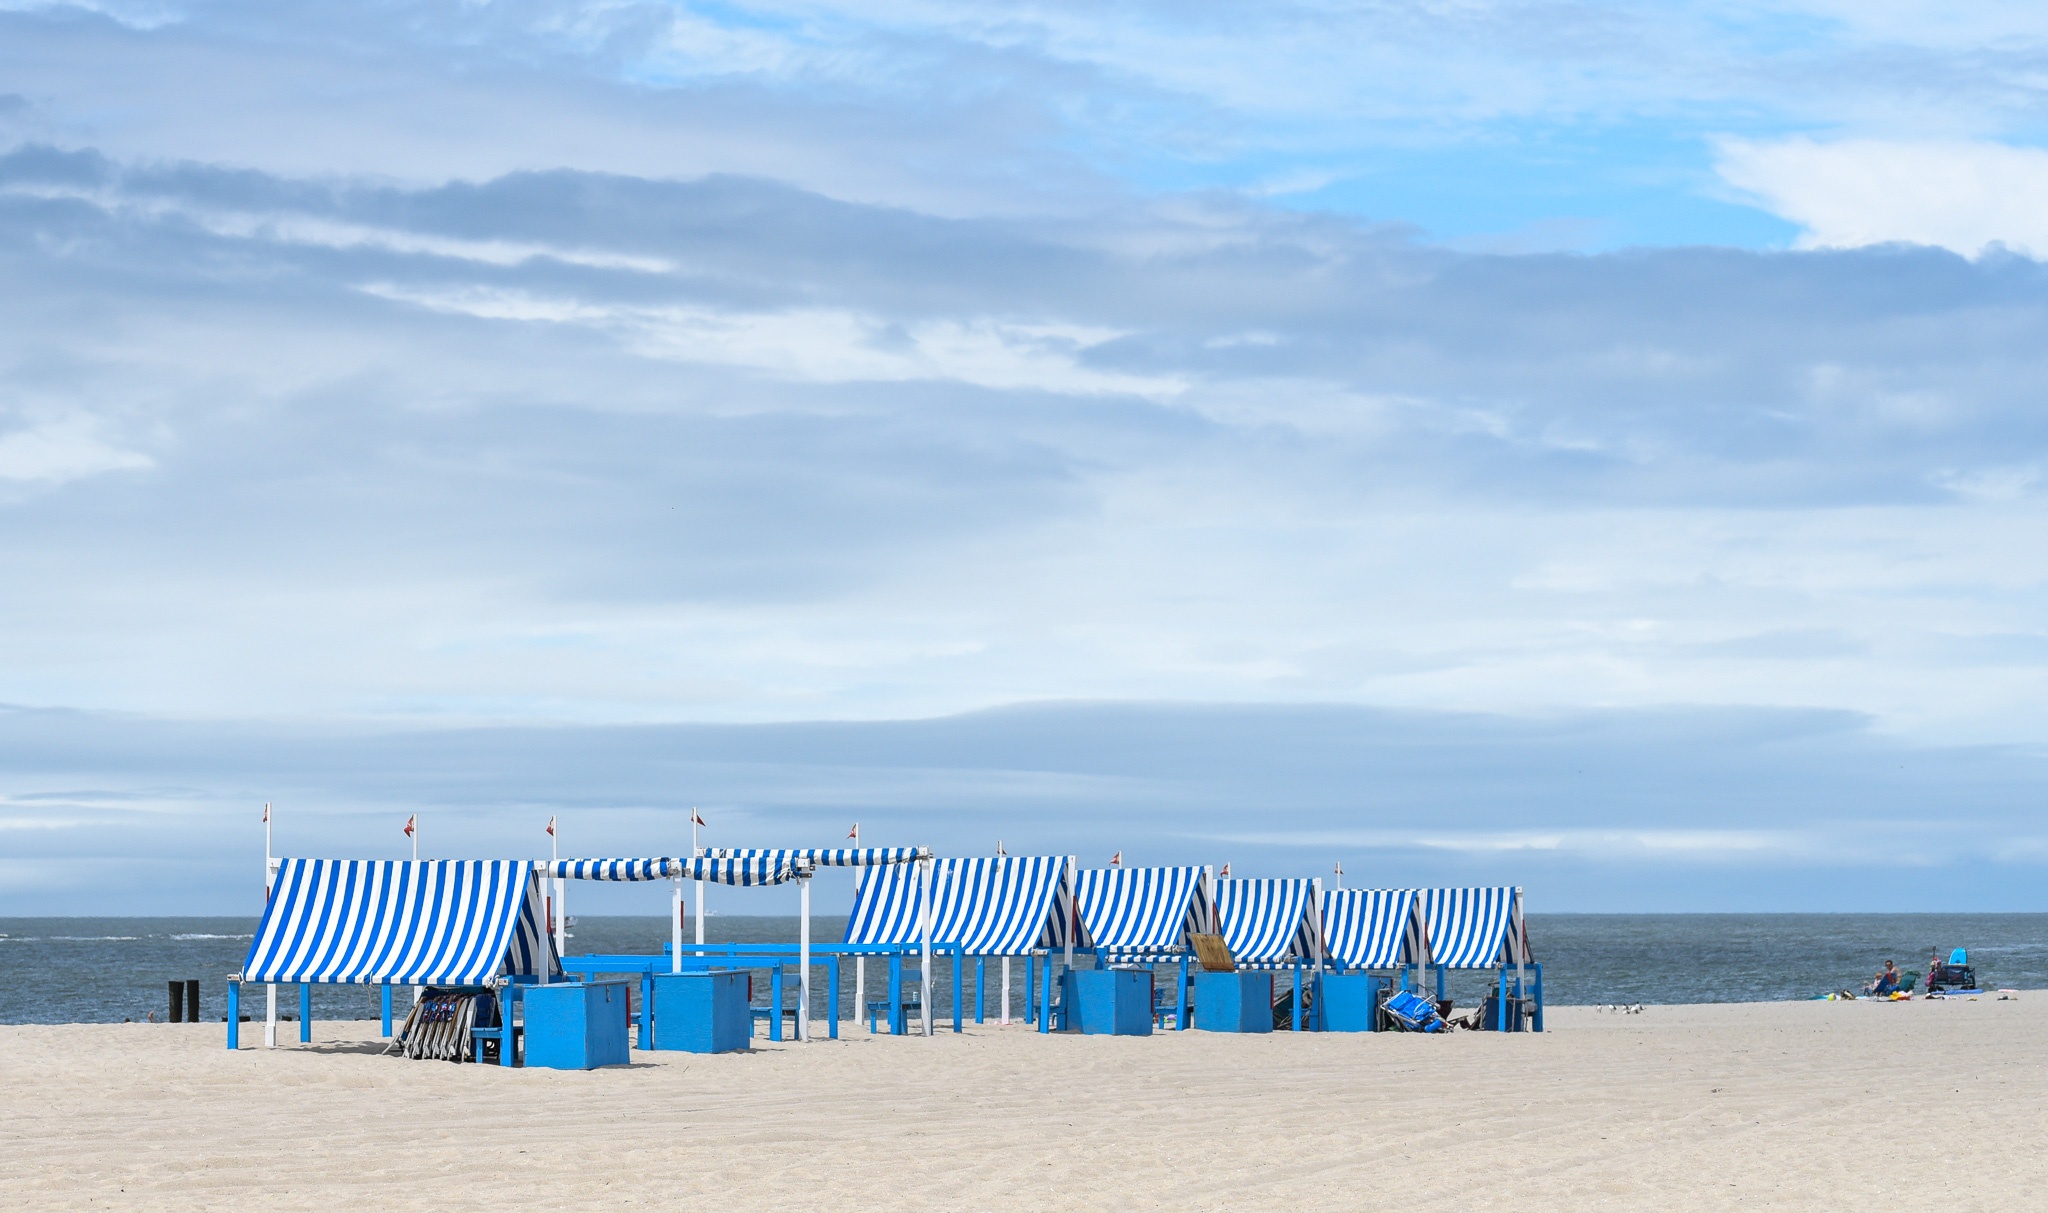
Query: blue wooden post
x,y
832,980
1439,983
1500,1006
386,1000
980,976
1180,1006
959,988
775,1003
234,1015
1297,995
646,1009
1539,996
508,1045
896,1024
1045,1008
1030,988
305,1012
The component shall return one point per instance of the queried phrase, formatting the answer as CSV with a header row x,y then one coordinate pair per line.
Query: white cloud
x,y
825,345
62,450
1960,196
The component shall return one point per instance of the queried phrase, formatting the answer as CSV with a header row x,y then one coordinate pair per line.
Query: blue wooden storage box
x,y
576,1025
1108,1002
702,1012
1234,1002
1351,1001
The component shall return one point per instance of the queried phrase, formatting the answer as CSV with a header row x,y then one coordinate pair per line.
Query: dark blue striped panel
x,y
1266,921
1139,910
1001,906
1372,928
1469,928
442,922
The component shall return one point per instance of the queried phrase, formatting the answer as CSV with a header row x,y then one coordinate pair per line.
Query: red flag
x,y
266,812
1116,860
551,827
854,833
999,847
696,819
1340,867
1225,873
408,824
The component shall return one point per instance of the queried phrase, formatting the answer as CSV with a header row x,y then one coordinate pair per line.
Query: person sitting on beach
x,y
1885,982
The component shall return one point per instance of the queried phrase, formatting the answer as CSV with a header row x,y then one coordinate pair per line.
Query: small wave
x,y
91,938
202,936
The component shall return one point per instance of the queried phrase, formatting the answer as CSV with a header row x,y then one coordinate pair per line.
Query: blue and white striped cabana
x,y
1479,928
1001,906
418,922
1141,915
828,857
1374,928
1474,928
750,870
1269,923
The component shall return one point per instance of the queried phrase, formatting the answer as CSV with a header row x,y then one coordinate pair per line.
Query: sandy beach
x,y
1774,1105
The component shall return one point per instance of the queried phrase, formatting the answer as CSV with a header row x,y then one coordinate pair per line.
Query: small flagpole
x,y
270,989
860,959
697,852
561,893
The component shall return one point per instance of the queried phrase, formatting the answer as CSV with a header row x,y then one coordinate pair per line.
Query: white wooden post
x,y
803,961
270,1016
1072,918
924,965
1006,991
1521,956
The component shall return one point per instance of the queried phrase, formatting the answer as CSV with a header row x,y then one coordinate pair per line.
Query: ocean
x,y
106,970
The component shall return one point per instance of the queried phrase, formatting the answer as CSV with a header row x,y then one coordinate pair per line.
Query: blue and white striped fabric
x,y
1373,928
990,907
832,857
613,869
1131,913
1471,928
1267,921
425,922
712,869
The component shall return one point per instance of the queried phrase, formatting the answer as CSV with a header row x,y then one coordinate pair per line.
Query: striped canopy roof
x,y
833,857
1373,928
714,869
1140,911
1472,928
421,922
991,907
1267,921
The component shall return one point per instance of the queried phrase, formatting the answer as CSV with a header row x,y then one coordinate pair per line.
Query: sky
x,y
1599,447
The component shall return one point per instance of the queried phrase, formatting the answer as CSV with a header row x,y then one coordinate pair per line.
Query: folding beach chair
x,y
1413,1012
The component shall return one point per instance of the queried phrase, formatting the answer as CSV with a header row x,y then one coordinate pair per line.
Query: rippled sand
x,y
1776,1106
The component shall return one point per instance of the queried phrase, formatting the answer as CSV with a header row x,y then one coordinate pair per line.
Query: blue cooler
x,y
1107,1002
702,1012
1351,1001
1234,1002
576,1025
